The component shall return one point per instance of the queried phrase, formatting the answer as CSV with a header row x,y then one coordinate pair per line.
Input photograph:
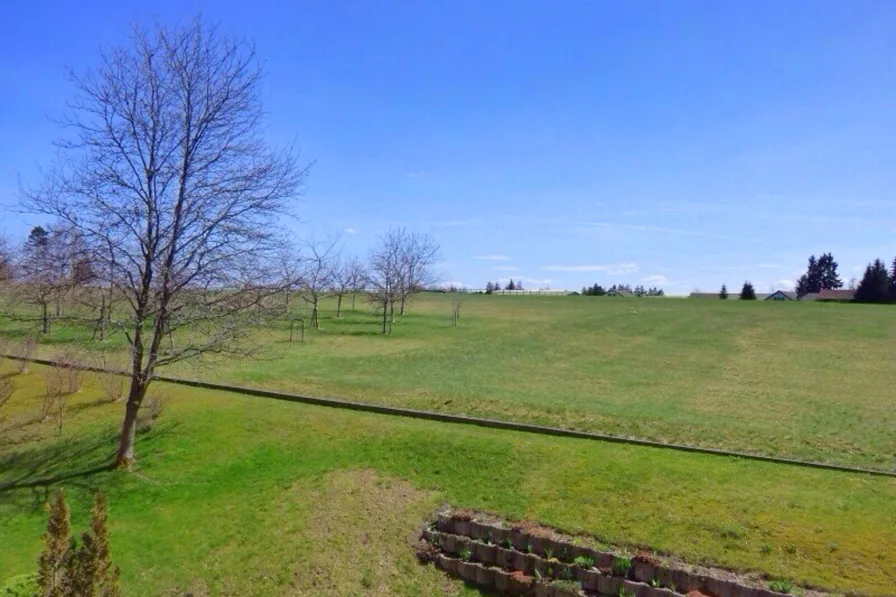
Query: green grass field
x,y
247,496
803,380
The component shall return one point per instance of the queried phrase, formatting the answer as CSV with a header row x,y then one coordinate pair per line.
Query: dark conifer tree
x,y
875,284
723,293
748,293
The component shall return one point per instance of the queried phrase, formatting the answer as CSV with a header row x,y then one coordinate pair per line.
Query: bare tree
x,y
418,256
320,259
167,177
357,277
384,273
347,278
7,389
42,273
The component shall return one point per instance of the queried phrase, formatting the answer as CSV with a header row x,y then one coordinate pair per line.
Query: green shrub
x,y
780,586
621,566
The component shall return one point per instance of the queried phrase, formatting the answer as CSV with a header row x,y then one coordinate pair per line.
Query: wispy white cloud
x,y
783,284
351,231
655,279
613,269
530,283
505,268
660,229
491,257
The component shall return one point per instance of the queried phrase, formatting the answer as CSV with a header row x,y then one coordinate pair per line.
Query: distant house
x,y
829,294
812,296
781,295
614,292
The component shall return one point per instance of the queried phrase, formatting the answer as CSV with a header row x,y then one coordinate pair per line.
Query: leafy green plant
x,y
506,544
621,566
654,583
584,562
623,593
466,554
790,548
765,549
549,553
780,586
528,548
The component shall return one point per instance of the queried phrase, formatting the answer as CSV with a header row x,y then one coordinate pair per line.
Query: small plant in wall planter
x,y
584,562
621,566
780,586
506,544
466,554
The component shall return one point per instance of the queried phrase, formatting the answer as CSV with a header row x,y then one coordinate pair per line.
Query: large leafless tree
x,y
166,174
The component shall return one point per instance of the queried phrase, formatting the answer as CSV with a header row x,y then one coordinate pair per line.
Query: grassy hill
x,y
803,380
247,496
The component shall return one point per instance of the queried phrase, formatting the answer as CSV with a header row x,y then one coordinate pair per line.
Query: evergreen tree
x,y
893,281
820,274
747,293
519,285
875,284
723,293
489,288
828,272
510,285
57,542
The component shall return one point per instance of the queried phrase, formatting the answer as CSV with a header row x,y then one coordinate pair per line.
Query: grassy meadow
x,y
803,380
237,495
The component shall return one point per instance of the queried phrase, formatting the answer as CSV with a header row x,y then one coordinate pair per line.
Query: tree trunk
x,y
287,302
125,457
45,318
391,311
401,307
353,300
339,306
314,322
385,317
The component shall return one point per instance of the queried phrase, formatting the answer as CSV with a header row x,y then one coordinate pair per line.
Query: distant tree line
x,y
639,291
496,286
878,284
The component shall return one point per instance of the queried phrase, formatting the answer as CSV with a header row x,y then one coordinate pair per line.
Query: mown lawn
x,y
803,380
249,496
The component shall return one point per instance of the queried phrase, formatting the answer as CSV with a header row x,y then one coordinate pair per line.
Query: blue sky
x,y
678,144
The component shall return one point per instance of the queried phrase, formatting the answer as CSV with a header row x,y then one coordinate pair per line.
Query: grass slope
x,y
802,380
246,496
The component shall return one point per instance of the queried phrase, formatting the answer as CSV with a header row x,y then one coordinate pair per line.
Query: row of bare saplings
x,y
516,561
66,380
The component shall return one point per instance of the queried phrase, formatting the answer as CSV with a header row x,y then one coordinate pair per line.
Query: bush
x,y
26,350
66,569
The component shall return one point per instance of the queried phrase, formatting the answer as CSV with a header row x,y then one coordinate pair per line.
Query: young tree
x,y
384,273
169,179
519,285
747,293
57,540
510,285
320,259
723,293
418,257
342,281
357,277
42,271
875,284
489,288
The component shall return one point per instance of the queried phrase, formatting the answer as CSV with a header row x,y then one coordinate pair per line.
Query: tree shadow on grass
x,y
46,465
